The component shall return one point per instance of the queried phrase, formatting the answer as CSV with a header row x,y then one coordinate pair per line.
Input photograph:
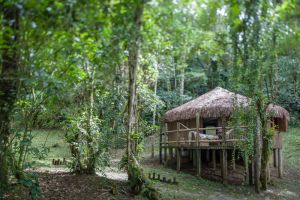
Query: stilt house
x,y
197,134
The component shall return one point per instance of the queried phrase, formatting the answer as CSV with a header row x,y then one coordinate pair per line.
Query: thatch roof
x,y
278,111
214,104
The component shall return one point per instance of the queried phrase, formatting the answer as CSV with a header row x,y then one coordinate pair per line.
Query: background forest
x,y
99,70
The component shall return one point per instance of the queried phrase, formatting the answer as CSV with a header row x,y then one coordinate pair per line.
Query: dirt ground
x,y
59,184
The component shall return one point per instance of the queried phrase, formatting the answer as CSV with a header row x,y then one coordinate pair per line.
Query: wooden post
x,y
224,153
165,155
177,134
246,168
194,158
198,151
233,160
224,165
178,158
166,140
152,146
251,173
275,158
280,163
197,129
198,158
190,154
207,155
160,148
214,158
171,153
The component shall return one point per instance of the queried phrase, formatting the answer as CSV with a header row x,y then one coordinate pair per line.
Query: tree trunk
x,y
155,93
265,152
181,85
257,155
7,84
91,162
133,69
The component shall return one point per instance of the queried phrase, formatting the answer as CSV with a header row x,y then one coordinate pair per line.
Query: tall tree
x,y
8,81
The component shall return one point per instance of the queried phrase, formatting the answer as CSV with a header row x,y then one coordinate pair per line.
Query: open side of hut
x,y
201,124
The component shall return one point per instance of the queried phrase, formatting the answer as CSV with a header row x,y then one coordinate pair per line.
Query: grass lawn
x,y
191,187
54,140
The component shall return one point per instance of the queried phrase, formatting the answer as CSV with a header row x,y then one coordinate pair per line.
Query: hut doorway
x,y
209,123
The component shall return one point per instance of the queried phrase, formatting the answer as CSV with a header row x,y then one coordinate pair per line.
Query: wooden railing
x,y
182,137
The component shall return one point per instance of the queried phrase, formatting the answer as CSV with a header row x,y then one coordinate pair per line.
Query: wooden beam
x,y
214,158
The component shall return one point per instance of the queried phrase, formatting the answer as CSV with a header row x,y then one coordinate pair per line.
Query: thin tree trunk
x,y
91,165
181,85
155,93
257,155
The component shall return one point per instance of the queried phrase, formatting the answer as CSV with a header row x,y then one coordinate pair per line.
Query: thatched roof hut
x,y
216,104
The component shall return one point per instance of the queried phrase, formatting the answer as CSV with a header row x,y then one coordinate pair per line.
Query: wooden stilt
x,y
207,155
275,158
169,159
279,155
190,154
198,156
152,146
214,158
233,160
246,168
224,154
268,173
160,148
171,153
165,155
178,159
194,158
224,165
251,173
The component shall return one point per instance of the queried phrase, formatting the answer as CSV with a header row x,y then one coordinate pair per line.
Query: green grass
x,y
291,148
54,140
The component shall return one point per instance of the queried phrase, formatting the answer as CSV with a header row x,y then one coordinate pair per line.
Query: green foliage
x,y
30,180
239,118
87,141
